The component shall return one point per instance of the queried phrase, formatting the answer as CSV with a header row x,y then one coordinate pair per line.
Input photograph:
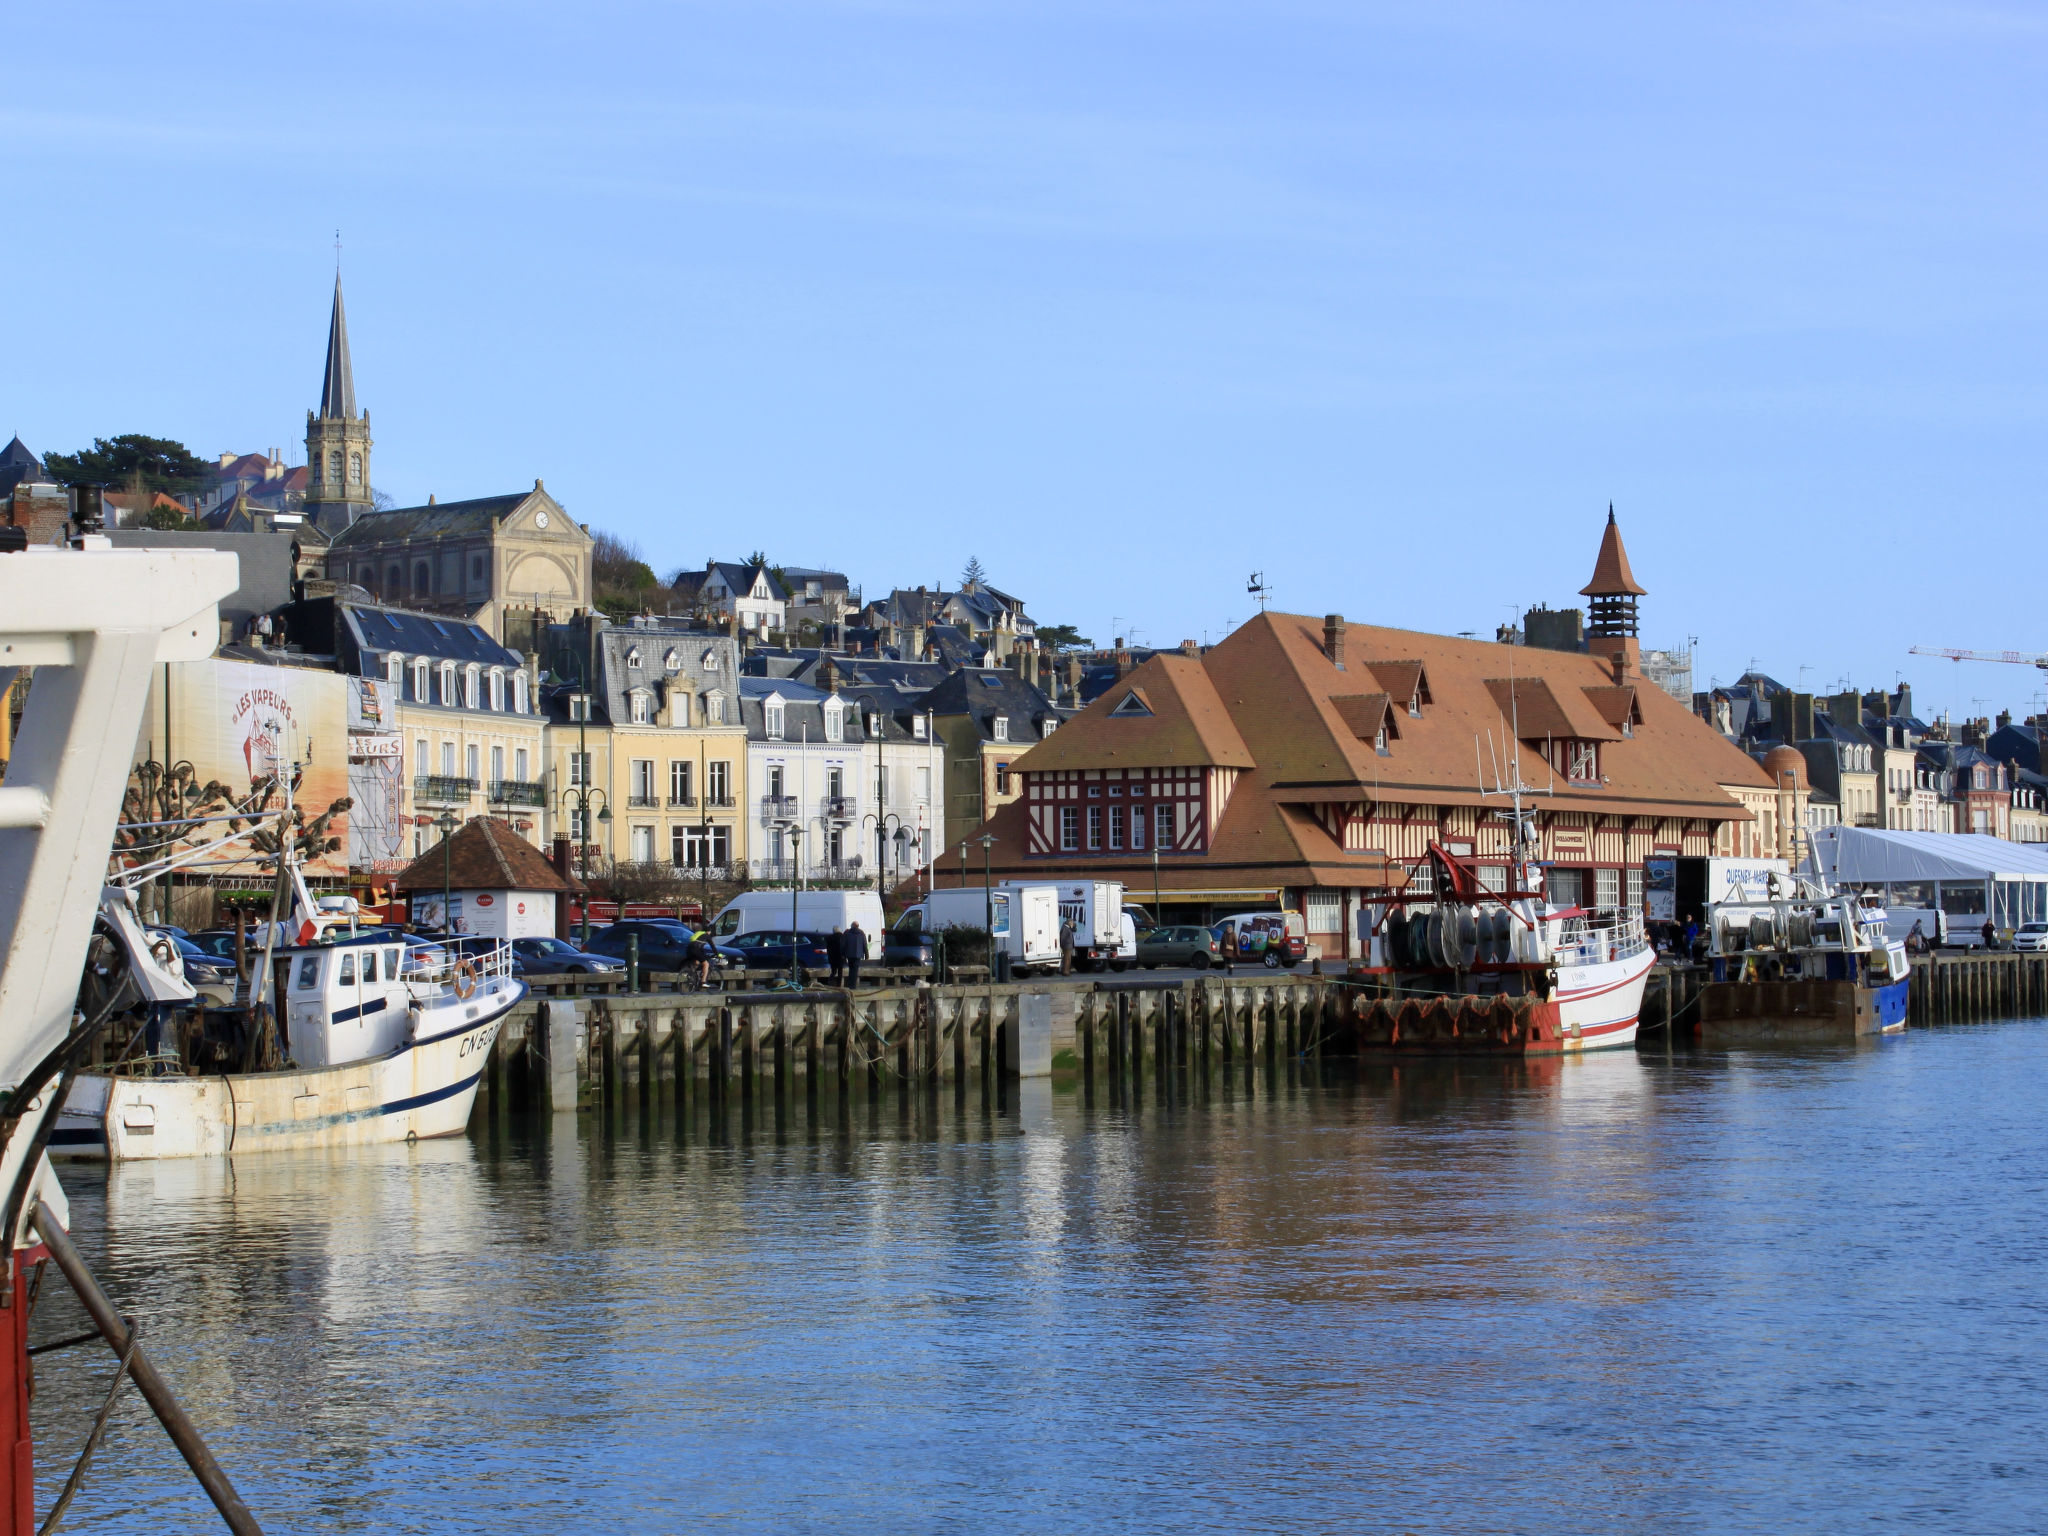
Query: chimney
x,y
1846,708
2004,718
1802,716
917,641
1333,639
1074,680
1618,665
1189,648
1123,659
828,676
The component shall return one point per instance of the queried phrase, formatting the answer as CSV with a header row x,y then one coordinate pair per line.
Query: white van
x,y
1026,918
815,912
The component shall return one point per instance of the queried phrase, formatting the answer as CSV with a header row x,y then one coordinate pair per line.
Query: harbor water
x,y
1740,1290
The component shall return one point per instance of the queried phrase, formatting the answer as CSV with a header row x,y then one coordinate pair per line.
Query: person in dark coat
x,y
1066,947
835,951
854,946
1990,934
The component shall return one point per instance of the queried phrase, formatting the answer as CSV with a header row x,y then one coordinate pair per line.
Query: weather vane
x,y
1257,588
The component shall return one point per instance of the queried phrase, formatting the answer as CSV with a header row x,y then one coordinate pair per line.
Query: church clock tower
x,y
337,438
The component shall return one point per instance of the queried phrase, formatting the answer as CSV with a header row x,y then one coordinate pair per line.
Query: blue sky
x,y
1127,299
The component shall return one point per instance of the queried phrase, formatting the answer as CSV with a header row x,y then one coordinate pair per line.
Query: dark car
x,y
555,957
910,945
220,943
1197,947
768,949
201,968
664,946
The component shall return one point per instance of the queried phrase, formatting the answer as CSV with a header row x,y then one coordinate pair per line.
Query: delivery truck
x,y
1025,919
1096,909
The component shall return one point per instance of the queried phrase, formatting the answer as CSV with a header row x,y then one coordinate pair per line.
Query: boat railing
x,y
1601,935
476,962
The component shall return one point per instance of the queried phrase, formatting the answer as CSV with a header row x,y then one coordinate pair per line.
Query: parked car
x,y
1272,938
201,968
1197,947
557,957
220,943
664,944
907,943
2030,936
768,949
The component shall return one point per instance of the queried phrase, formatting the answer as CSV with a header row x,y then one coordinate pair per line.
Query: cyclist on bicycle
x,y
703,954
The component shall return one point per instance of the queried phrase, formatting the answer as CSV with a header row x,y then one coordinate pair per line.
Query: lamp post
x,y
577,800
447,824
796,843
1158,906
988,902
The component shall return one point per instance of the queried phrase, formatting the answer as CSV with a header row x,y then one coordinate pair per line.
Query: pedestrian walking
x,y
1990,934
1066,946
854,946
835,952
1916,941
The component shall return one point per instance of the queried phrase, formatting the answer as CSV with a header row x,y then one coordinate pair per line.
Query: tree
x,y
972,576
169,518
622,579
159,463
1062,637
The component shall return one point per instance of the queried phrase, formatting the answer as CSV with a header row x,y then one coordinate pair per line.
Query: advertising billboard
x,y
238,722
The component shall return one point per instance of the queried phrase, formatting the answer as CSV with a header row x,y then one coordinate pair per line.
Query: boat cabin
x,y
345,1003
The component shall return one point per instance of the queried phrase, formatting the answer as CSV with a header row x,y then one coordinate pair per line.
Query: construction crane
x,y
2016,658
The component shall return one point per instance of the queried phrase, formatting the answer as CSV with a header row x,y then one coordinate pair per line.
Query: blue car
x,y
555,957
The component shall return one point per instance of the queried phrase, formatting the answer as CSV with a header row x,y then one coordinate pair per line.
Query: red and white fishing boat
x,y
1457,967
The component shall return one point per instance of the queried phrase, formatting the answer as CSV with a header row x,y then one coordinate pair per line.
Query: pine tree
x,y
972,576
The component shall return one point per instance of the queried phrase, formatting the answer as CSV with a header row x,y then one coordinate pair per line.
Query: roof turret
x,y
1611,575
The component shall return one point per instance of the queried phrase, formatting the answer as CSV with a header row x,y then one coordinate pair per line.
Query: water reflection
x,y
1667,1291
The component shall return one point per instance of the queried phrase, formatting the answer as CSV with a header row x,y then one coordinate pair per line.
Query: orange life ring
x,y
465,979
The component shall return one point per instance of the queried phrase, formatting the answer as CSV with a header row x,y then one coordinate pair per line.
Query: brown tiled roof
x,y
1276,689
1404,681
1365,713
484,855
1611,575
1534,710
1187,726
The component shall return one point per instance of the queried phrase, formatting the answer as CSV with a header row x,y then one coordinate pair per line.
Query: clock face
x,y
540,519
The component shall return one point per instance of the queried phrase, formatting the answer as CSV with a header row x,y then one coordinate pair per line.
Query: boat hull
x,y
1599,1006
425,1088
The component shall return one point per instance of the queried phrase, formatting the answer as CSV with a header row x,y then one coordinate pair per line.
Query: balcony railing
x,y
642,802
839,808
441,789
719,802
783,871
679,802
518,792
778,807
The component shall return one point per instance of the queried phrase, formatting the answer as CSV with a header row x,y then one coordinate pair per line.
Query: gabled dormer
x,y
1371,717
1406,683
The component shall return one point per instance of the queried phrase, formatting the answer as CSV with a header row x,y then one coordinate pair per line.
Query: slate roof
x,y
338,382
740,579
2019,745
17,464
985,693
484,855
803,712
479,514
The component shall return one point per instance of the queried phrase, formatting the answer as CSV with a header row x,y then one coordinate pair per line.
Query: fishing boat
x,y
1807,958
1456,967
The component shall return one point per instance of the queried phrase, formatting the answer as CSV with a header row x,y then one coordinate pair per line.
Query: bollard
x,y
632,961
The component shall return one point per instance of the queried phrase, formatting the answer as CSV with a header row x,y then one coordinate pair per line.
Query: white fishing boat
x,y
381,1050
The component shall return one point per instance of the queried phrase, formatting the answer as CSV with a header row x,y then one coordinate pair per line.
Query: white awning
x,y
1860,855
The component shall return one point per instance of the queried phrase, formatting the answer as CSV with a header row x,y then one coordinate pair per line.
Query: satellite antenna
x,y
1257,588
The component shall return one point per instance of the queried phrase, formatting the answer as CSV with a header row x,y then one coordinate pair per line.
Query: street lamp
x,y
447,824
988,901
796,842
1158,905
577,801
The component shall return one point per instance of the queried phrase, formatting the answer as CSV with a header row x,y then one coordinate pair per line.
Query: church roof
x,y
338,386
1611,575
476,515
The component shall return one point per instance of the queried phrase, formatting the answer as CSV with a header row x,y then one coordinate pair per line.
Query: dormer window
x,y
497,690
641,707
633,656
394,669
1379,742
1049,725
448,684
472,687
835,721
579,706
917,723
679,708
518,693
714,708
672,663
771,719
1001,726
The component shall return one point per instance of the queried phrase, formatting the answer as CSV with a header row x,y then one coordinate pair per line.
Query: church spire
x,y
338,389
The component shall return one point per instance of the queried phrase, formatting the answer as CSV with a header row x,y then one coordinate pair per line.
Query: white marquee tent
x,y
1965,874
